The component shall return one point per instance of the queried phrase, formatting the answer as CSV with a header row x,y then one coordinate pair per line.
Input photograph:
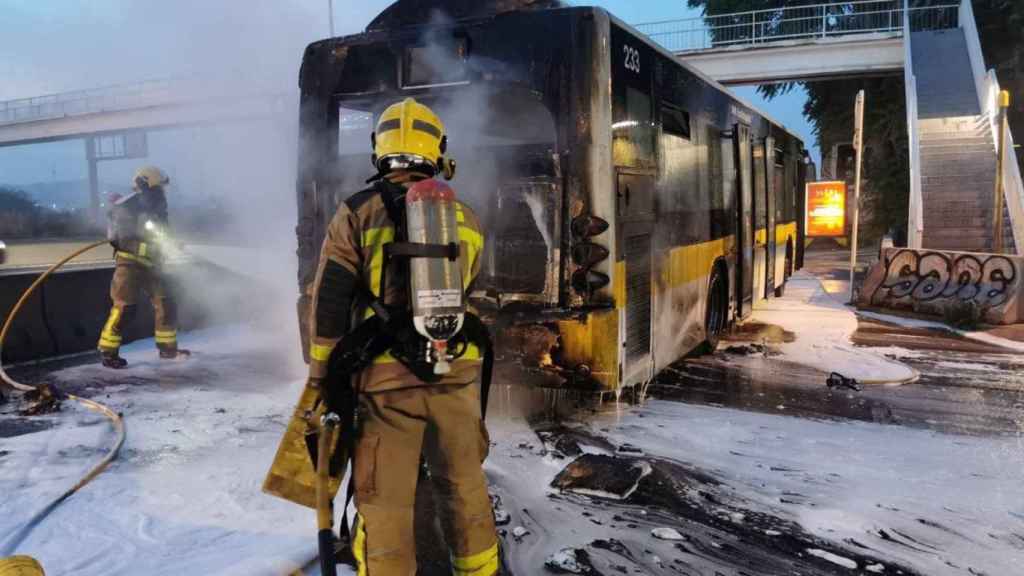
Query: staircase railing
x,y
814,22
915,226
988,89
1013,184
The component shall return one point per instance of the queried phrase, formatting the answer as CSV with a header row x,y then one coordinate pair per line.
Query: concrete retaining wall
x,y
66,314
936,282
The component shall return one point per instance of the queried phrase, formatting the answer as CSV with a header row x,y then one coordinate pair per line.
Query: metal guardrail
x,y
121,97
915,227
798,23
1013,182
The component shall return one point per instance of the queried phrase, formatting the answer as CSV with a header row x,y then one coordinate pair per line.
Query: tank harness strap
x,y
448,251
476,332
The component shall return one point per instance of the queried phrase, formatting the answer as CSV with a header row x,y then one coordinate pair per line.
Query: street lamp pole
x,y
330,15
858,143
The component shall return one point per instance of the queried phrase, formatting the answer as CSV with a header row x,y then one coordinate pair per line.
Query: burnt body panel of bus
x,y
609,177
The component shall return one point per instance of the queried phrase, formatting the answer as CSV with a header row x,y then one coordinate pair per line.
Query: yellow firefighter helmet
x,y
20,566
409,135
149,177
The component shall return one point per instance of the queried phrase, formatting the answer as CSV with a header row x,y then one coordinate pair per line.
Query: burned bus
x,y
633,208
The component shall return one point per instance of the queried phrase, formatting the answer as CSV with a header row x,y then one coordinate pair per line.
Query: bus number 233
x,y
632,59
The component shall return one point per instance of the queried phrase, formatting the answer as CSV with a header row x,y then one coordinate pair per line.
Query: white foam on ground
x,y
853,480
667,534
833,558
184,497
823,327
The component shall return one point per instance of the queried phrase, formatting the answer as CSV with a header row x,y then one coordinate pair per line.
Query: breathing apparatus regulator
x,y
410,137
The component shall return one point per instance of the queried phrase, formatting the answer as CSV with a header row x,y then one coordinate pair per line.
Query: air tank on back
x,y
435,282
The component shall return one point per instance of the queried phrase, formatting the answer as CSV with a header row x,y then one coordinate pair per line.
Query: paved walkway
x,y
823,326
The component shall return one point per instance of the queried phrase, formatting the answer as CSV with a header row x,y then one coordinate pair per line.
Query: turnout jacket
x,y
128,217
351,265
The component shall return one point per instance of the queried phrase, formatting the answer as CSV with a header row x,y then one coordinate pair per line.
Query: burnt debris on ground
x,y
657,503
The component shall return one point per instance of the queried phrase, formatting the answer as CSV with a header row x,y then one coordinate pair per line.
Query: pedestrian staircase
x,y
954,165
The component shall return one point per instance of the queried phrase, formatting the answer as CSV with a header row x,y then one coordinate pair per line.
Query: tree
x,y
829,106
1001,27
18,214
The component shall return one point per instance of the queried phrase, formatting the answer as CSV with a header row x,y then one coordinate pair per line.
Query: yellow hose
x,y
115,418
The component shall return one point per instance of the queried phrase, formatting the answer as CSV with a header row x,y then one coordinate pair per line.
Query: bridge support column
x,y
94,184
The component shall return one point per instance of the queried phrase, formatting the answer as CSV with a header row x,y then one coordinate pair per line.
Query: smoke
x,y
232,194
52,47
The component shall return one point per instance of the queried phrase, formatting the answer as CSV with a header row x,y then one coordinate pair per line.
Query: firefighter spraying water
x,y
137,231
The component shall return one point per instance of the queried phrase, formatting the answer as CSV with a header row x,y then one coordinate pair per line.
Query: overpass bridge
x,y
146,105
113,121
951,97
951,107
823,41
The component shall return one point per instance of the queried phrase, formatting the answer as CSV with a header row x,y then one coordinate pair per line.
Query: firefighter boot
x,y
174,353
113,360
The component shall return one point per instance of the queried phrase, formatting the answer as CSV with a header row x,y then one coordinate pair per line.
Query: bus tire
x,y
780,290
716,312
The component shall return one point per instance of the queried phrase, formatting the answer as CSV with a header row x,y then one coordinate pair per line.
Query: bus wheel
x,y
780,290
715,317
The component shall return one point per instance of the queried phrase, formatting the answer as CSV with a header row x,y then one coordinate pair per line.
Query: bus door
x,y
769,204
745,227
635,198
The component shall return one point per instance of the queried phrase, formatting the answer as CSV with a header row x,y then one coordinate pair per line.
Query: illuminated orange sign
x,y
826,209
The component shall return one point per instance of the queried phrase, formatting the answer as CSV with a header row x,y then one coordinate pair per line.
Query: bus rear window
x,y
436,64
354,129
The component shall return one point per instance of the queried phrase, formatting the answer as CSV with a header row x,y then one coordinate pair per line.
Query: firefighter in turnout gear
x,y
138,224
419,397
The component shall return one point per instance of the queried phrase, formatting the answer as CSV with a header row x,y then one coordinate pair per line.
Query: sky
x,y
106,42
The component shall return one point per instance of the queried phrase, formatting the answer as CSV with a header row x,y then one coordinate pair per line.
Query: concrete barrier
x,y
938,282
66,314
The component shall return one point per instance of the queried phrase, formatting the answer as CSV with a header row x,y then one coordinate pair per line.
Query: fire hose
x,y
115,419
30,566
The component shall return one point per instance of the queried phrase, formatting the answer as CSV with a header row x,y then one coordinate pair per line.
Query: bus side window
x,y
675,121
681,190
760,205
723,183
780,186
633,129
794,164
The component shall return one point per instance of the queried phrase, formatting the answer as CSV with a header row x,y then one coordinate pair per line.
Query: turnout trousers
x,y
129,278
442,423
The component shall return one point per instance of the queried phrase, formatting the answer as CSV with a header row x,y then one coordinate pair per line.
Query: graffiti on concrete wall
x,y
928,281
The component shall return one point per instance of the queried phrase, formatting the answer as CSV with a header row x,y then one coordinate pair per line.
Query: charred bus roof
x,y
410,12
486,46
383,58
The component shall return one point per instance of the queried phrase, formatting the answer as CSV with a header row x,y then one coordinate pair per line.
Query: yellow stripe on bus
x,y
619,285
761,236
689,263
783,232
